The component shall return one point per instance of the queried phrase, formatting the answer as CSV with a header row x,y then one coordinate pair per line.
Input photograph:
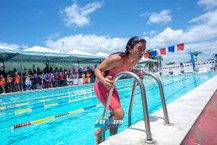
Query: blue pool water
x,y
78,127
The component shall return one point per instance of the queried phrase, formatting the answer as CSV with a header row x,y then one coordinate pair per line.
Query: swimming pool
x,y
77,127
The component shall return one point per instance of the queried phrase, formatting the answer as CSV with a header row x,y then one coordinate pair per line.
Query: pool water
x,y
77,128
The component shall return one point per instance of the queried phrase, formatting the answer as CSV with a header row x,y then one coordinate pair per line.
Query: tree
x,y
153,64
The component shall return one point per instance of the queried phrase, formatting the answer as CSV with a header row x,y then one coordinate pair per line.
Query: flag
x,y
180,46
162,51
154,53
146,55
171,49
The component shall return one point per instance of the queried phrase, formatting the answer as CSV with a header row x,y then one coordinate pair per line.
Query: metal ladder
x,y
138,81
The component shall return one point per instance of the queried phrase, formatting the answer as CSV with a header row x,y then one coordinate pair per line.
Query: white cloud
x,y
162,17
198,37
88,43
202,28
206,27
207,49
53,36
78,16
208,4
165,38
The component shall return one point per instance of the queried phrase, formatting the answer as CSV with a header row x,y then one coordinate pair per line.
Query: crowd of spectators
x,y
33,79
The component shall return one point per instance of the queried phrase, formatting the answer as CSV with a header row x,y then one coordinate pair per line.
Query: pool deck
x,y
191,124
204,130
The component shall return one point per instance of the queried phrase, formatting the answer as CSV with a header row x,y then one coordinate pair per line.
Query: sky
x,y
106,25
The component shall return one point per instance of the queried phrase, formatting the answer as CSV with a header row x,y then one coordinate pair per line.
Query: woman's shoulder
x,y
115,57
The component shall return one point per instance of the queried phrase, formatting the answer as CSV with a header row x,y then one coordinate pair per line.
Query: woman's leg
x,y
118,114
114,107
97,134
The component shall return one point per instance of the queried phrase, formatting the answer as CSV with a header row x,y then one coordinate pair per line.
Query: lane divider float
x,y
52,117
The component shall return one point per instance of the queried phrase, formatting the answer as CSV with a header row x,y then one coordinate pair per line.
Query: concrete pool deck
x,y
183,113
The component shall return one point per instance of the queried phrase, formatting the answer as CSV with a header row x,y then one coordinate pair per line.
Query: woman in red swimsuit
x,y
110,67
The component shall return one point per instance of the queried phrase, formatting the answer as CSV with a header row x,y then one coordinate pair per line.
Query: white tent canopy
x,y
75,51
102,54
38,53
5,49
7,52
84,56
41,49
42,54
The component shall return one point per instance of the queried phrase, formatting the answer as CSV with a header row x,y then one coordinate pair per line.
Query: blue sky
x,y
89,25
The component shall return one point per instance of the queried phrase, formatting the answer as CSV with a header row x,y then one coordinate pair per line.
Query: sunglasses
x,y
136,40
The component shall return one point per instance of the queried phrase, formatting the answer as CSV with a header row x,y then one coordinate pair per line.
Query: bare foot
x,y
98,137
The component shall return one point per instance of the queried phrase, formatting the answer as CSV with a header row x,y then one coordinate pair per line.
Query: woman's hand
x,y
108,82
140,74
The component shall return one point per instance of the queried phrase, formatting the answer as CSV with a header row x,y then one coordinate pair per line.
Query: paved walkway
x,y
204,130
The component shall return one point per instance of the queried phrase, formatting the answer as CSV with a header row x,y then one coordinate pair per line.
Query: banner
x,y
180,46
171,49
146,55
154,53
163,51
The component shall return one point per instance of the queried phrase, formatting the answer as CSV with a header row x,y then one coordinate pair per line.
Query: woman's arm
x,y
110,63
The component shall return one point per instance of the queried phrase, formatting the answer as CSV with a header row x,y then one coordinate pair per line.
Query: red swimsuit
x,y
102,92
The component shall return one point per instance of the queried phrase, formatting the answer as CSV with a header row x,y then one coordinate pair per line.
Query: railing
x,y
144,102
166,118
137,81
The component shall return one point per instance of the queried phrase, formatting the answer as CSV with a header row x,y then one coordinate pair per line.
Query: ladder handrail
x,y
144,103
166,118
131,103
163,100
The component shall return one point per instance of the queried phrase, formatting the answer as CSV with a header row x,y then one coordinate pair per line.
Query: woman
x,y
110,67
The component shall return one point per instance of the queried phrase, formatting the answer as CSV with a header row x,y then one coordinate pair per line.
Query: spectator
x,y
2,83
56,78
213,67
10,83
182,70
42,80
46,80
17,82
28,82
170,72
68,81
51,80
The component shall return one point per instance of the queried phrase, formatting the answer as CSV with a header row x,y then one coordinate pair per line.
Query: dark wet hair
x,y
133,41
